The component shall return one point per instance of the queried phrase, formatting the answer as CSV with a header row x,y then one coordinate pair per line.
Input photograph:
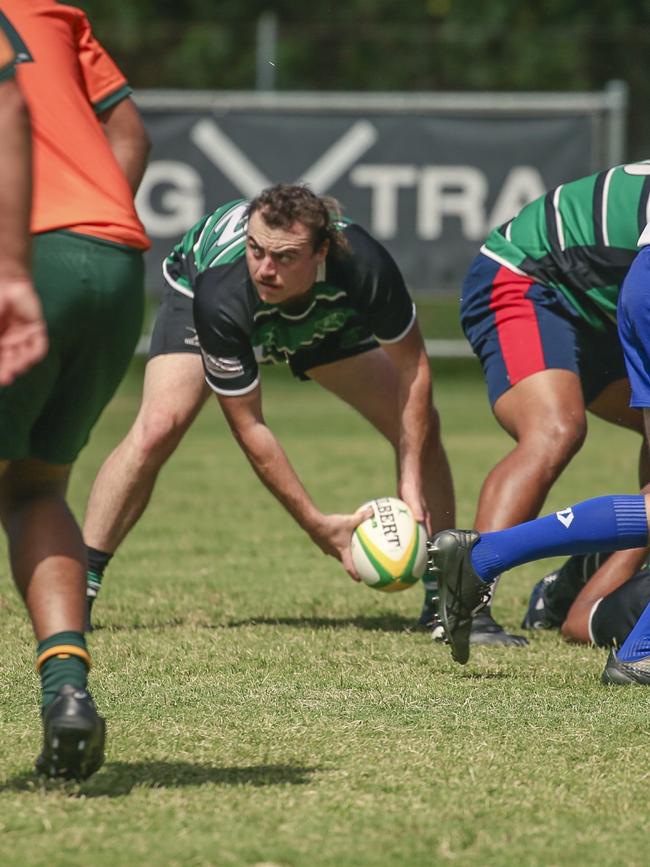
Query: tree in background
x,y
388,45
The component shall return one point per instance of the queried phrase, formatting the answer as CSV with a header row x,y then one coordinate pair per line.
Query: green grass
x,y
264,710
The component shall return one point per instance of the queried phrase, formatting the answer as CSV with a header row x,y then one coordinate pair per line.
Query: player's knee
x,y
559,439
156,434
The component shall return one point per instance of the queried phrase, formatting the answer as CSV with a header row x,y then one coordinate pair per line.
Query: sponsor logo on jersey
x,y
223,368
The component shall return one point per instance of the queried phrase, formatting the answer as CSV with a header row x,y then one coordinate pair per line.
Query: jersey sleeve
x,y
179,267
12,49
228,357
104,82
7,55
383,297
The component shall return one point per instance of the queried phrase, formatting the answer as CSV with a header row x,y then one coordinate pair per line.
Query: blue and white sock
x,y
637,644
601,524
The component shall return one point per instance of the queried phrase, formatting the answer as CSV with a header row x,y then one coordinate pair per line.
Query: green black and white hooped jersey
x,y
237,330
579,238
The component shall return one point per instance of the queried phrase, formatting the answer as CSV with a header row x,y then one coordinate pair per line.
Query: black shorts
x,y
617,613
173,330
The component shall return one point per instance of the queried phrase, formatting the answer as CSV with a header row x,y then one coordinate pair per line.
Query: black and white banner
x,y
429,183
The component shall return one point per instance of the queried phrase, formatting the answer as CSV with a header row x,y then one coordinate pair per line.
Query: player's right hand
x,y
334,536
23,333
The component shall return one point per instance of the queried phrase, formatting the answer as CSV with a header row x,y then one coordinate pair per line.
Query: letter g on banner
x,y
170,198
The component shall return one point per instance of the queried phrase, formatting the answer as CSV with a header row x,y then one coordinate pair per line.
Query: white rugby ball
x,y
389,550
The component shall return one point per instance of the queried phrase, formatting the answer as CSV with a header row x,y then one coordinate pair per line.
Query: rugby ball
x,y
389,550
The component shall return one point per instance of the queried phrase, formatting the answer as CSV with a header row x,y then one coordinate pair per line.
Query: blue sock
x,y
637,644
601,524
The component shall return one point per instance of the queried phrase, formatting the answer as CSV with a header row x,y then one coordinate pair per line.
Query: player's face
x,y
282,262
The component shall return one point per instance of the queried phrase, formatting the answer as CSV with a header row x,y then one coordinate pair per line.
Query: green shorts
x,y
93,297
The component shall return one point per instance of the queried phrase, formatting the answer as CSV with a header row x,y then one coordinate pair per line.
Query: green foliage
x,y
387,45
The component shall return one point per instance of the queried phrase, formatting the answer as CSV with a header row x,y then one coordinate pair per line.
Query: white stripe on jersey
x,y
558,218
502,261
606,185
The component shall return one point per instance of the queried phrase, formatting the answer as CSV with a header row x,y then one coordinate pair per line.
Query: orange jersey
x,y
69,78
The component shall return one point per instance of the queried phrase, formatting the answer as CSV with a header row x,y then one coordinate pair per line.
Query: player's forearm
x,y
268,459
15,184
416,418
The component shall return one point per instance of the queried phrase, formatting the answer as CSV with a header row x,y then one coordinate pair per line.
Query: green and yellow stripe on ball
x,y
393,574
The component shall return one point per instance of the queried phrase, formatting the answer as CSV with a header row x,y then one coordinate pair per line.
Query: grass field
x,y
264,710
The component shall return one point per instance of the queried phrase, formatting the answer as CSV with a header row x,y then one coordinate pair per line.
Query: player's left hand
x,y
23,333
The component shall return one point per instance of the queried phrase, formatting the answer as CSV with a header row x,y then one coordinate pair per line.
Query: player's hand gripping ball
x,y
389,550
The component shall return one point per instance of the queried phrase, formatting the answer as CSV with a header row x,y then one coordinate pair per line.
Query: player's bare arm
x,y
128,139
416,414
332,533
23,337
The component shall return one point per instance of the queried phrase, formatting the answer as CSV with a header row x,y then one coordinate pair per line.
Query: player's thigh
x,y
603,374
546,404
174,386
93,298
369,383
32,477
613,405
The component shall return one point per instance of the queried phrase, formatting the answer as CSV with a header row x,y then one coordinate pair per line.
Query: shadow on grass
x,y
116,779
378,623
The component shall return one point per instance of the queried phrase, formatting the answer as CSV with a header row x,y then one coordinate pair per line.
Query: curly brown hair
x,y
282,205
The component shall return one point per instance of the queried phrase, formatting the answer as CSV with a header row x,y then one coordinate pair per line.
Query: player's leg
x,y
174,391
527,346
581,580
45,419
369,383
467,562
49,566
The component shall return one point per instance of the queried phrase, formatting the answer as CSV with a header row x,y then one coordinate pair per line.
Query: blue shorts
x,y
634,327
518,327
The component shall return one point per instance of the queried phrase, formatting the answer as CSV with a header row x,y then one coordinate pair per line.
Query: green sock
x,y
97,562
93,583
430,588
62,668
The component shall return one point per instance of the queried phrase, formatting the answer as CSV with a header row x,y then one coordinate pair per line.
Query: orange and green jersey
x,y
68,79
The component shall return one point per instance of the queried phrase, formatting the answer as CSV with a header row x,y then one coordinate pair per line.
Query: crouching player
x,y
278,280
466,562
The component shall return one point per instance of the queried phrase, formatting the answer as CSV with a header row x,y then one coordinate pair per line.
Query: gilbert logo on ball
x,y
389,550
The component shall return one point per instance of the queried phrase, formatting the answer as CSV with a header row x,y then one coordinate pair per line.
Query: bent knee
x,y
158,433
557,439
